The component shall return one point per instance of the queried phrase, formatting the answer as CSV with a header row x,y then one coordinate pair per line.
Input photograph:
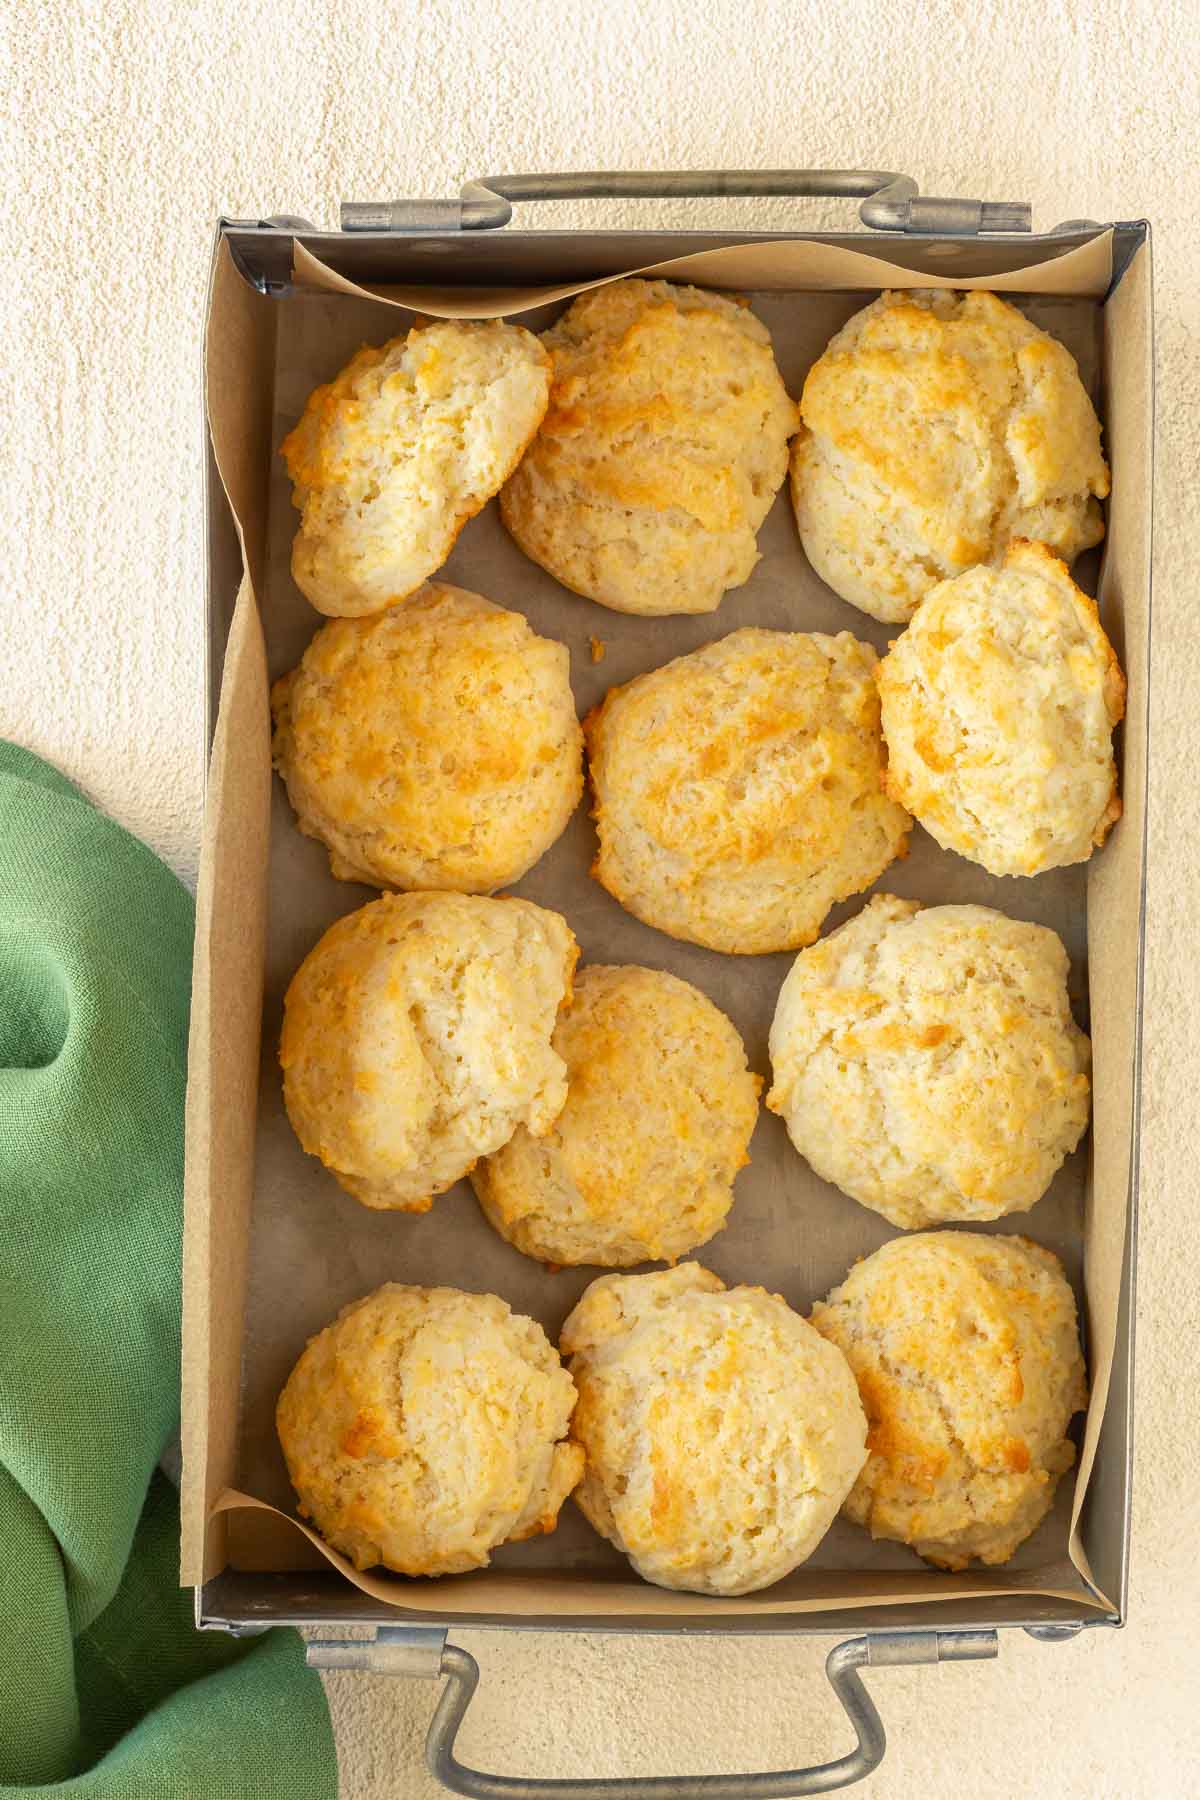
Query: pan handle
x,y
890,202
423,1651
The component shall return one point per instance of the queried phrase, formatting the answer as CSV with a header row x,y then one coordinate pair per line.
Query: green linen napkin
x,y
106,1690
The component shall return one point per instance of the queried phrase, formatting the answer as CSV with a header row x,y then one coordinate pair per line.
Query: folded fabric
x,y
106,1689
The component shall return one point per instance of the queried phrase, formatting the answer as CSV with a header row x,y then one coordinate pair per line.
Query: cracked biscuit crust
x,y
417,1037
998,706
938,427
392,457
425,1426
663,448
926,1062
722,1433
966,1352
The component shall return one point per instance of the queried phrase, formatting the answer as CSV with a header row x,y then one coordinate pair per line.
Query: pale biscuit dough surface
x,y
721,1432
392,457
926,1062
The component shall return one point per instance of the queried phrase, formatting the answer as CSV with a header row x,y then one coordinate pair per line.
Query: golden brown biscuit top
x,y
343,425
739,789
392,457
966,1350
998,704
743,755
641,1160
434,744
416,1036
959,406
656,391
425,1425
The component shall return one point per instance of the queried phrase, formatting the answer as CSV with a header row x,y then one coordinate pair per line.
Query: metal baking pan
x,y
272,1249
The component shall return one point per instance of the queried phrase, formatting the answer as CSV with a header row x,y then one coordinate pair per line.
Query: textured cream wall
x,y
129,126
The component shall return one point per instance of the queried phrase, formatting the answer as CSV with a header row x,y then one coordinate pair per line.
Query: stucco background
x,y
128,126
